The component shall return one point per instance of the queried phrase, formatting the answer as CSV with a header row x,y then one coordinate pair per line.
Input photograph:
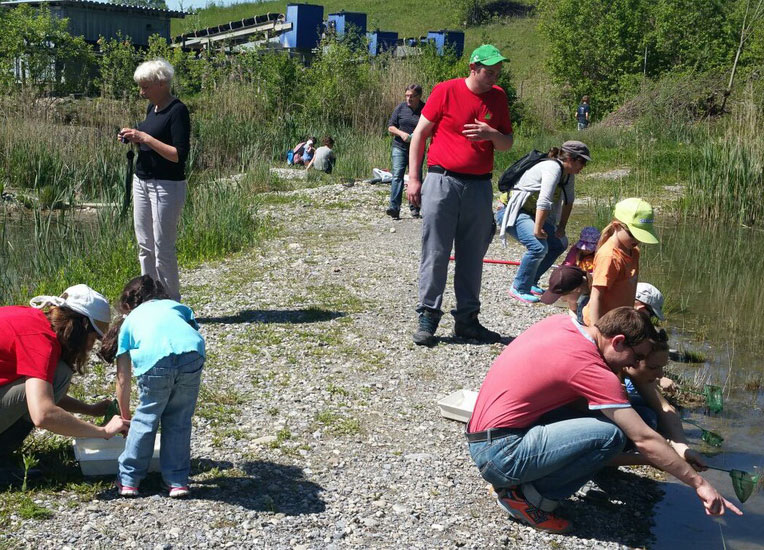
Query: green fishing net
x,y
713,395
713,439
743,483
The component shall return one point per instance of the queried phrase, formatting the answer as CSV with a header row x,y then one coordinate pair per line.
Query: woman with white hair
x,y
159,184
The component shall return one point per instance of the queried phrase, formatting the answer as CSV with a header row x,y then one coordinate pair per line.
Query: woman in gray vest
x,y
537,213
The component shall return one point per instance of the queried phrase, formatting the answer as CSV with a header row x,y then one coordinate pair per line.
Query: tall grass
x,y
728,179
43,251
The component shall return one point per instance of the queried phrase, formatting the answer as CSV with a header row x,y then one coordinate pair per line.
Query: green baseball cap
x,y
638,217
487,55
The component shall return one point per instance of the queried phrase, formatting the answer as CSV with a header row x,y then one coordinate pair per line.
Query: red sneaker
x,y
512,501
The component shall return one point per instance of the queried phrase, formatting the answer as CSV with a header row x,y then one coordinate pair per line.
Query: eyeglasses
x,y
582,160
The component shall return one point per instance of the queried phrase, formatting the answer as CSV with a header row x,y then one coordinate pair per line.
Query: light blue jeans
x,y
556,458
540,253
168,393
400,160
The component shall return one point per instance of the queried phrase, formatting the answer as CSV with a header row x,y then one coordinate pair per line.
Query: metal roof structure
x,y
106,6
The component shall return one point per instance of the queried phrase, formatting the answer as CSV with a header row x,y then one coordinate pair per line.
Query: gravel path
x,y
317,425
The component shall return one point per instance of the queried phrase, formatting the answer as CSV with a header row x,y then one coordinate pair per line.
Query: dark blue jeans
x,y
400,160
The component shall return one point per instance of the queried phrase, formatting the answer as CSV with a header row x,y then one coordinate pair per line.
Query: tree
x,y
753,15
37,53
595,45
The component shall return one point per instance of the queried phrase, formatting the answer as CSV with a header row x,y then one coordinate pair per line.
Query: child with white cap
x,y
40,347
650,300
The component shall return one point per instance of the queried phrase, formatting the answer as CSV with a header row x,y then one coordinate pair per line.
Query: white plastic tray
x,y
458,405
99,457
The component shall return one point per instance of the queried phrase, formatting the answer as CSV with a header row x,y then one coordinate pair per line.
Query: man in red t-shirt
x,y
552,412
467,119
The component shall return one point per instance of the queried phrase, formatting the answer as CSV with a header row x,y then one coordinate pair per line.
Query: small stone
x,y
392,230
265,440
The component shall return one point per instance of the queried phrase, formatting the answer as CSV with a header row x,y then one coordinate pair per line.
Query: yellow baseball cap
x,y
638,217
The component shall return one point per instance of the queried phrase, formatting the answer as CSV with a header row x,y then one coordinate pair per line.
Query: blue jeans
x,y
400,160
168,393
555,458
540,254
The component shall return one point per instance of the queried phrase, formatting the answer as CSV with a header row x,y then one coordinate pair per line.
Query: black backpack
x,y
512,175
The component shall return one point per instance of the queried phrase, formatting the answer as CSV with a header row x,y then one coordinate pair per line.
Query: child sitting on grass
x,y
616,263
581,254
158,338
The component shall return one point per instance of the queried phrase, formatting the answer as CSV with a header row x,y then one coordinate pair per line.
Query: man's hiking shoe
x,y
512,502
126,490
425,334
416,213
473,330
527,298
537,290
394,213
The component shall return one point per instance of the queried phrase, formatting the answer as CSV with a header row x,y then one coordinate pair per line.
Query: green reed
x,y
728,177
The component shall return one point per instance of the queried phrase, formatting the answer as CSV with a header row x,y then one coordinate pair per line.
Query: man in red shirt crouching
x,y
467,118
536,450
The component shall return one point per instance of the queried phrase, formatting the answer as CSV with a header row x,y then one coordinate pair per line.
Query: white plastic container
x,y
458,405
98,457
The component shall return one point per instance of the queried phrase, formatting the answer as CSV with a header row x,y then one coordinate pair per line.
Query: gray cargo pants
x,y
13,399
454,212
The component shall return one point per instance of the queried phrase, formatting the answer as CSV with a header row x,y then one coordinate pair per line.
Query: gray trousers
x,y
13,399
455,213
157,205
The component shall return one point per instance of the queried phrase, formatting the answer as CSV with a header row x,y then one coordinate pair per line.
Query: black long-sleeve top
x,y
171,125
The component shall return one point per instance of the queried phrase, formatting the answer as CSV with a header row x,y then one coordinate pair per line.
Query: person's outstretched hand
x,y
713,502
117,425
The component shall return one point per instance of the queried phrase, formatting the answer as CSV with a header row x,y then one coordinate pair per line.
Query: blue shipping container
x,y
453,39
306,20
381,41
344,20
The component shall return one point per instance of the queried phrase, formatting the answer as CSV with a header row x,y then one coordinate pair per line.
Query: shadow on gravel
x,y
618,509
505,340
294,316
263,486
259,485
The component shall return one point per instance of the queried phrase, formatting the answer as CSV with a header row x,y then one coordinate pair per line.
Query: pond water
x,y
711,276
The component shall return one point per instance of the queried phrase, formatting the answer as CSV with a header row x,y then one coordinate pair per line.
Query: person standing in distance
x,y
402,123
583,113
466,119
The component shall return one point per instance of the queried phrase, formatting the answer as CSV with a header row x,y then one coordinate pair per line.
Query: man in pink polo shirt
x,y
467,119
552,411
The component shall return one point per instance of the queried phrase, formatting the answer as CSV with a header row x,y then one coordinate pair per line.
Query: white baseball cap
x,y
652,298
82,299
